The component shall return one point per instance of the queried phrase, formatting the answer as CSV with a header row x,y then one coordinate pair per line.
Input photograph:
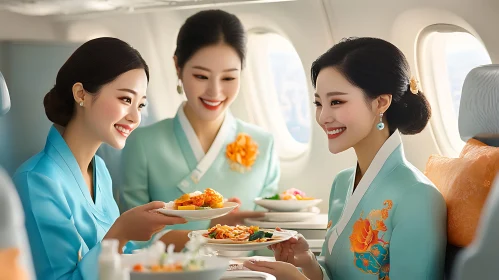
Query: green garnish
x,y
274,197
213,234
162,259
268,235
256,235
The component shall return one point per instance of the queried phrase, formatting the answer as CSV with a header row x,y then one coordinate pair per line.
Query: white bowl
x,y
291,216
286,205
248,275
205,214
214,268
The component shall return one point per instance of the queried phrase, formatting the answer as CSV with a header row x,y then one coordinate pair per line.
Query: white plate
x,y
290,216
214,268
196,215
229,245
248,275
286,205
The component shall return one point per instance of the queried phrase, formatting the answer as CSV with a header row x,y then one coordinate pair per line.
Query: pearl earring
x,y
380,125
81,103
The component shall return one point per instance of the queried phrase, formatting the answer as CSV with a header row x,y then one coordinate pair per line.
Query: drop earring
x,y
380,125
180,90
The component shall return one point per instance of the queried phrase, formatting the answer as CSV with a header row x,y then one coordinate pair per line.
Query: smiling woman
x,y
365,97
203,146
66,189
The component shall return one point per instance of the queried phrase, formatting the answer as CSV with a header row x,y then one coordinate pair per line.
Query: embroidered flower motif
x,y
380,225
363,236
242,153
388,204
370,251
384,214
329,224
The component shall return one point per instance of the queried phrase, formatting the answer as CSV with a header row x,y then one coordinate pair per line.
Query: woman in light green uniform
x,y
204,145
386,219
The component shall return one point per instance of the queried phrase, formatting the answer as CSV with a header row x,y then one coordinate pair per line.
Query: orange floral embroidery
x,y
363,236
242,153
380,225
388,204
384,214
385,268
371,252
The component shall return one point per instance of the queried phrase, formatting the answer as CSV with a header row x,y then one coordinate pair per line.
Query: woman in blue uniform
x,y
386,219
66,189
203,146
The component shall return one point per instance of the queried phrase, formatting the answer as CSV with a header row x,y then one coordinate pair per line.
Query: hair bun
x,y
413,112
58,109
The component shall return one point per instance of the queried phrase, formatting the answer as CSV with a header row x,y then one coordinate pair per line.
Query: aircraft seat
x,y
12,230
479,119
4,96
482,123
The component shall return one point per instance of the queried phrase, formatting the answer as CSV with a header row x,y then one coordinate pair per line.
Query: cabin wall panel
x,y
17,27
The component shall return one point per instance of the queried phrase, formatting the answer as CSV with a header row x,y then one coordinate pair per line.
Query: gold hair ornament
x,y
413,85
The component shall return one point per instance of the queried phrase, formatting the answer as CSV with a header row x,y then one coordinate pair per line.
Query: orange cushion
x,y
9,266
464,183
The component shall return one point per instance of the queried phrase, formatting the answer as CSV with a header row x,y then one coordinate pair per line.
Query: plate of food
x,y
208,268
198,205
153,263
241,238
291,200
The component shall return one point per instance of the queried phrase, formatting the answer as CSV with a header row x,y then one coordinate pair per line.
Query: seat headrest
x,y
4,96
479,108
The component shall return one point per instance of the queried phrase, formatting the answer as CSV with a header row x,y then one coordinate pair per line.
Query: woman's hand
x,y
281,270
295,251
140,223
236,217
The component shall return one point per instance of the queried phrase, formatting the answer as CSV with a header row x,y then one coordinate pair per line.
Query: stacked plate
x,y
288,210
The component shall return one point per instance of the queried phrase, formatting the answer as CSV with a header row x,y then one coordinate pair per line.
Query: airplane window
x,y
463,52
279,79
452,55
291,86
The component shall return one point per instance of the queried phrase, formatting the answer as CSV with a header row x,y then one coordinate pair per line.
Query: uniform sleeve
x,y
273,174
419,238
322,260
134,170
56,245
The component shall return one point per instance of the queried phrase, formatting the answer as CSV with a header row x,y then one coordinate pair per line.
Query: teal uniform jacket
x,y
64,224
393,226
165,160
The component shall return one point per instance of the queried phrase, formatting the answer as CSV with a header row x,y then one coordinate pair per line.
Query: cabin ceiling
x,y
76,7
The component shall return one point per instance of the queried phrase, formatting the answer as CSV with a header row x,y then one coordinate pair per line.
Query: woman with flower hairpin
x,y
386,219
203,146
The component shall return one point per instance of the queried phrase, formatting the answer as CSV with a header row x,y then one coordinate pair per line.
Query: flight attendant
x,y
204,145
386,219
66,189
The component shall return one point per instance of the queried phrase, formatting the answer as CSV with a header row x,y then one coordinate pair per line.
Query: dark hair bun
x,y
410,114
58,108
